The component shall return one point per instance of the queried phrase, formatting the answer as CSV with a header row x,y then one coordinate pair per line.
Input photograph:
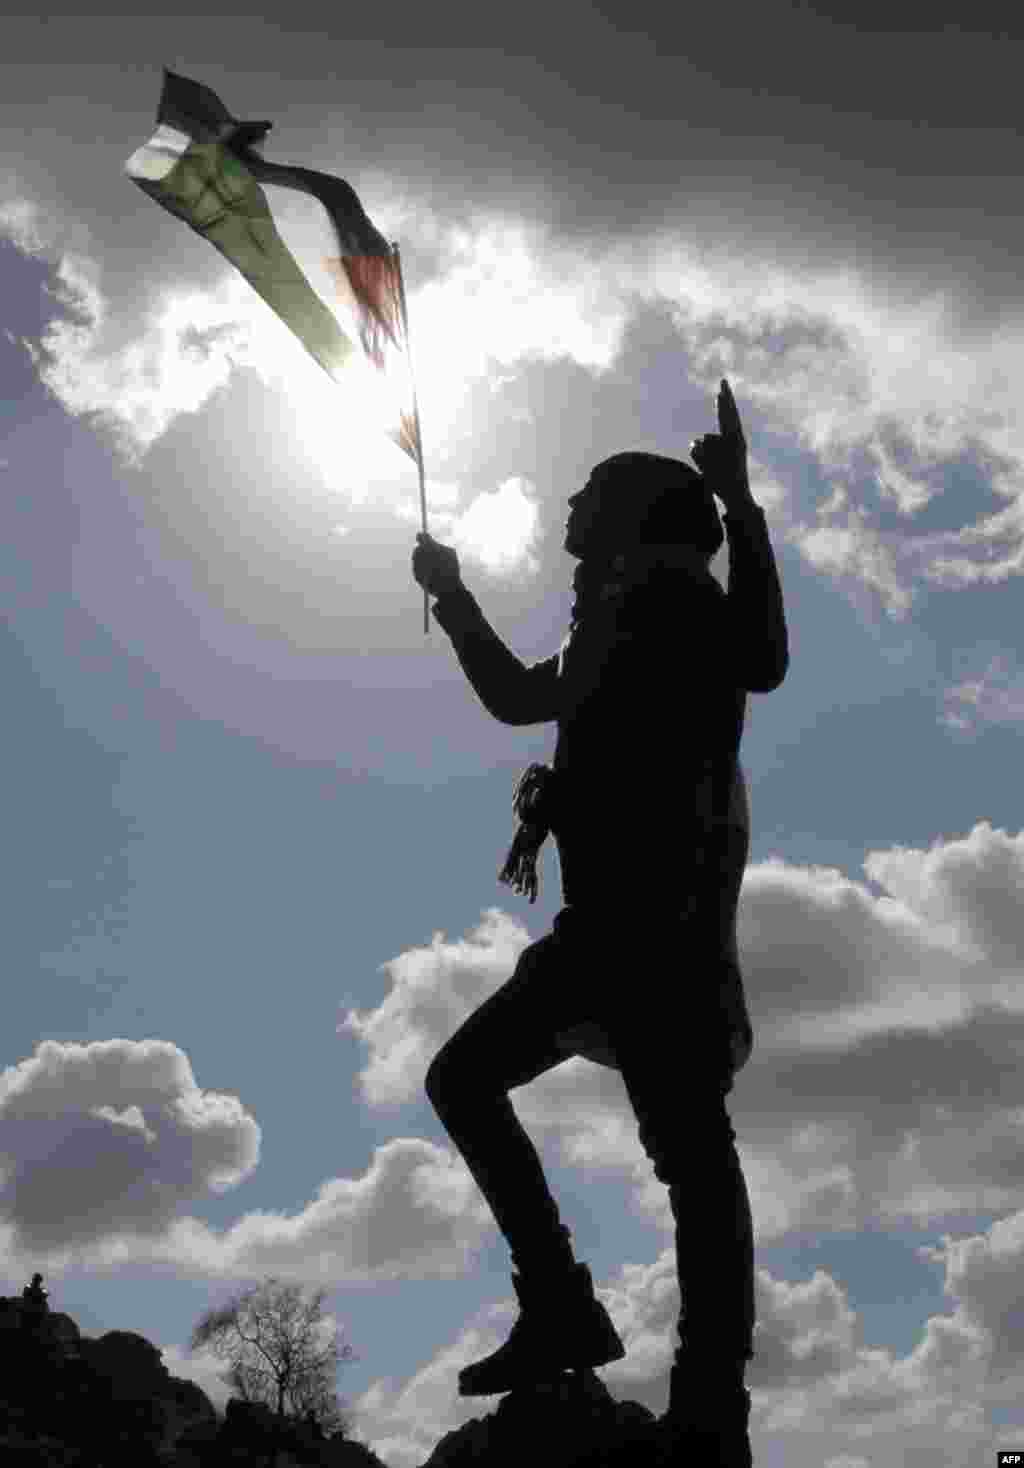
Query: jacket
x,y
652,687
648,692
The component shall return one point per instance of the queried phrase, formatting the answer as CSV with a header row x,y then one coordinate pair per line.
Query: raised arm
x,y
758,643
756,621
507,688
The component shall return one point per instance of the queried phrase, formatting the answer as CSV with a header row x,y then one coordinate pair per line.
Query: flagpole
x,y
416,418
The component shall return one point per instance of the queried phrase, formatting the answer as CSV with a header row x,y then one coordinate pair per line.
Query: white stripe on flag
x,y
155,159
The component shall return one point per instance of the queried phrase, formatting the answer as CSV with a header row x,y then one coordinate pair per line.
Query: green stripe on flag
x,y
207,186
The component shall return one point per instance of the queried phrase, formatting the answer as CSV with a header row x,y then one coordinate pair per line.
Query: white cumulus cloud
x,y
112,1138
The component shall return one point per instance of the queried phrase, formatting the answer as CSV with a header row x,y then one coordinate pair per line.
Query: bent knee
x,y
434,1082
445,1076
453,1076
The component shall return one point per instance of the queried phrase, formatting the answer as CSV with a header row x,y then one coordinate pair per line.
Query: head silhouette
x,y
637,498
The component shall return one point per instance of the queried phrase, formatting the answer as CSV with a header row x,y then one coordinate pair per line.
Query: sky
x,y
254,817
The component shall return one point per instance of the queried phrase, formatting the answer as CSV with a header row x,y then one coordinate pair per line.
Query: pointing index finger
x,y
728,413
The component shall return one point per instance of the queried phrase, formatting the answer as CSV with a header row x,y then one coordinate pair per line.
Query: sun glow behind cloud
x,y
884,393
485,312
503,298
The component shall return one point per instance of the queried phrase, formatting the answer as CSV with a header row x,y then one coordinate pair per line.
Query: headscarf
x,y
673,501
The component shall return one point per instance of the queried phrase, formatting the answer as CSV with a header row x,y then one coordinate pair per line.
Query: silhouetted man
x,y
33,1306
648,809
34,1294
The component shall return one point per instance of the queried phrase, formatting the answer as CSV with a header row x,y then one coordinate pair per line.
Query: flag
x,y
201,165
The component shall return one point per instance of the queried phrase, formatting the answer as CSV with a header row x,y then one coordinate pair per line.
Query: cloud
x,y
994,695
819,1393
204,1368
22,220
971,887
499,529
985,1275
434,989
112,1138
855,551
893,408
414,1213
881,1022
895,403
885,1086
136,388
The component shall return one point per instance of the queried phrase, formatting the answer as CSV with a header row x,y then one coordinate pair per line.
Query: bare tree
x,y
274,1343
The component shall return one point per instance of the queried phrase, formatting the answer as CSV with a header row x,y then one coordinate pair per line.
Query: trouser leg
x,y
677,1067
715,1263
508,1171
510,1040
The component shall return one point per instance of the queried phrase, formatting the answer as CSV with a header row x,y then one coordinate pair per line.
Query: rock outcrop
x,y
250,1431
572,1423
71,1401
58,1385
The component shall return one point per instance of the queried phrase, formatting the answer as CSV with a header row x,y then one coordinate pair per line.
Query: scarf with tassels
x,y
531,803
595,582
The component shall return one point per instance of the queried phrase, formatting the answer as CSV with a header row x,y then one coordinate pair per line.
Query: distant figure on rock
x,y
648,807
33,1307
34,1295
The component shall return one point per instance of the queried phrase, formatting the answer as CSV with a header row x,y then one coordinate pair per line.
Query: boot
x,y
707,1421
562,1325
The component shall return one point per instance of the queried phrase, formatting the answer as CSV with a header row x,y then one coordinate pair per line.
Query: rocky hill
x,y
72,1401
